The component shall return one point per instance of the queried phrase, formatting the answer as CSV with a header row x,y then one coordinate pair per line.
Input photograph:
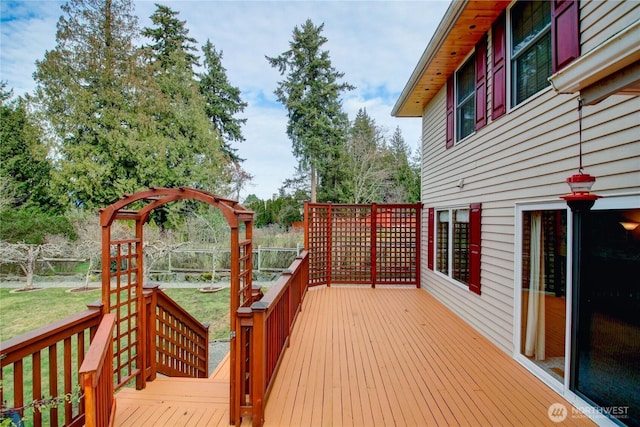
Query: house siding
x,y
600,20
525,155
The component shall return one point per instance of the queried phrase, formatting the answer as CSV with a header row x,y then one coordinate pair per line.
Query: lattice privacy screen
x,y
363,244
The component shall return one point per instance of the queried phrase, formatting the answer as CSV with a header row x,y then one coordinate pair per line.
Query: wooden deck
x,y
177,401
362,356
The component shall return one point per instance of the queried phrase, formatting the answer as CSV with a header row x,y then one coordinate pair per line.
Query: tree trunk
x,y
30,266
88,275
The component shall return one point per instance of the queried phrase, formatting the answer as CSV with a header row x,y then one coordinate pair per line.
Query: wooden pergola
x,y
123,279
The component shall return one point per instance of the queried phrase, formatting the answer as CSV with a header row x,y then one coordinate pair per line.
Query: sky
x,y
376,44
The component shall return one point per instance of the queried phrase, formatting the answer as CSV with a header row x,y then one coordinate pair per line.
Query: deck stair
x,y
177,401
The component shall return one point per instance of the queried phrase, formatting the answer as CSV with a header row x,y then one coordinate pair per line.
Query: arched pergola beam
x,y
231,209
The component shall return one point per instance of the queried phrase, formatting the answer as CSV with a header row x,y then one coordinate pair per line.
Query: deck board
x,y
360,357
177,401
399,357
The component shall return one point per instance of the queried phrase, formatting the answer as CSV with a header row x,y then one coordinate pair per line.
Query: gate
x,y
363,244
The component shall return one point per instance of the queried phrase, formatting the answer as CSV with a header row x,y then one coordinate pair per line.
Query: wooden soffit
x,y
464,23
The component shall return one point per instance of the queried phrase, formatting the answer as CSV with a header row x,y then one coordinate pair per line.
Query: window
x,y
465,99
545,37
469,106
454,237
452,250
543,276
530,48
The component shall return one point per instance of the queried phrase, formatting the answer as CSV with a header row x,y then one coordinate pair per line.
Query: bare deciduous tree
x,y
157,246
27,255
89,243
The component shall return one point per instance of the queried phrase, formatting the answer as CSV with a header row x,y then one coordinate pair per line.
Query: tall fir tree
x,y
87,94
404,174
186,149
168,36
222,100
317,125
368,174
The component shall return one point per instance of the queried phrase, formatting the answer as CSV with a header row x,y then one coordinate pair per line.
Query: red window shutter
x,y
481,83
475,233
450,112
565,35
499,69
430,238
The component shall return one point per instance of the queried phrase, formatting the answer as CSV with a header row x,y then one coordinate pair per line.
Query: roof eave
x,y
438,38
465,22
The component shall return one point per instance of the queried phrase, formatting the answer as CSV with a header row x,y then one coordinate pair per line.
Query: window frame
x,y
513,57
520,208
469,101
472,249
565,48
453,244
478,58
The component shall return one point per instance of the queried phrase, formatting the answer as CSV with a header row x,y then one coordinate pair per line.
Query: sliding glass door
x,y
582,340
543,290
607,350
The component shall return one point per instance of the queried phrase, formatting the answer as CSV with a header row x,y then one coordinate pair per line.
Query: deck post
x,y
306,225
418,231
374,237
243,341
141,311
258,361
329,243
152,296
234,383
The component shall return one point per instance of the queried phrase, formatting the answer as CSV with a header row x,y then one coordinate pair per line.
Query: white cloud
x,y
375,43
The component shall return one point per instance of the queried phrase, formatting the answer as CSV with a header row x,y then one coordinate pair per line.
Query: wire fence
x,y
212,260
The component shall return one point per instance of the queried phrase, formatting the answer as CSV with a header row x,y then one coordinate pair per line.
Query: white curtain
x,y
534,338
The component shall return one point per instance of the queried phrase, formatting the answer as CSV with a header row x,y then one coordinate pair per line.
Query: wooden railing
x,y
263,334
40,370
178,344
96,375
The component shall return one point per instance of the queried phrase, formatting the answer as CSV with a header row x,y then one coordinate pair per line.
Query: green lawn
x,y
24,311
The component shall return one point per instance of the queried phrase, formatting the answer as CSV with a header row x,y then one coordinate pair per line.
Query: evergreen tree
x,y
87,93
24,168
185,148
222,100
317,125
170,35
415,163
405,174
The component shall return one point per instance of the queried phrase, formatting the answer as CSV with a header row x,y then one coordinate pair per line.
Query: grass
x,y
21,312
211,308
